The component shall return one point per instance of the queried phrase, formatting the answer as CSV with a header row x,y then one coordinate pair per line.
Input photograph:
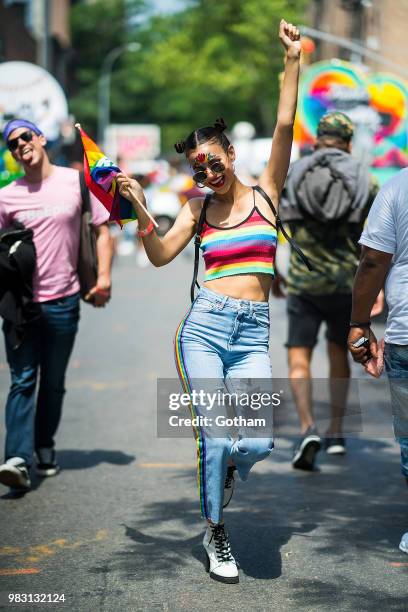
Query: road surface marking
x,y
399,564
19,571
167,465
38,552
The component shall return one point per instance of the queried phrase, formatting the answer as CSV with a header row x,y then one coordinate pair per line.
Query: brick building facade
x,y
36,31
378,25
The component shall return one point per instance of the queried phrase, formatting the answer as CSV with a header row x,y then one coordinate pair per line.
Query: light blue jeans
x,y
220,344
396,365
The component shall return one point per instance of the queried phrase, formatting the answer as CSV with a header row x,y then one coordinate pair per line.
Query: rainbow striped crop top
x,y
246,248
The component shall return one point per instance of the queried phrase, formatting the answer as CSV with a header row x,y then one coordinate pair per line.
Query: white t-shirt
x,y
386,230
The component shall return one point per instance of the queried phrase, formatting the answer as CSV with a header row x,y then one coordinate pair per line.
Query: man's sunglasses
x,y
216,167
12,144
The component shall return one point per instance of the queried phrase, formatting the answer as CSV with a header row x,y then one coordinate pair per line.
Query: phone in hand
x,y
363,343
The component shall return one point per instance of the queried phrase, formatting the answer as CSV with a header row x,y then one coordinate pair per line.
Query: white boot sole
x,y
217,577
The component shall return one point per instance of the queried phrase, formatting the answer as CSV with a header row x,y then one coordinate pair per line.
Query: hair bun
x,y
220,124
180,146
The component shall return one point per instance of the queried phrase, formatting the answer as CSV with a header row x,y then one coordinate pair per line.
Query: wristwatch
x,y
359,324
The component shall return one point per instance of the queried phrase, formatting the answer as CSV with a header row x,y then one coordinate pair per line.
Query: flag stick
x,y
78,126
142,206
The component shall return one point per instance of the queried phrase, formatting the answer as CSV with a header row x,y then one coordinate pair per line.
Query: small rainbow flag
x,y
100,175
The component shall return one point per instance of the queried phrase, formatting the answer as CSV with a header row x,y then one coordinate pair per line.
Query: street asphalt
x,y
119,528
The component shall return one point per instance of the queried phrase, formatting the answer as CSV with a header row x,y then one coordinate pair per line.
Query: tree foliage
x,y
214,58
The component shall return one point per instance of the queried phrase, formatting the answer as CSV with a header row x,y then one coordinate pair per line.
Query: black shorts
x,y
306,312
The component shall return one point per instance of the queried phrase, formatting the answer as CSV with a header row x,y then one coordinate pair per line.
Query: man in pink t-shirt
x,y
48,201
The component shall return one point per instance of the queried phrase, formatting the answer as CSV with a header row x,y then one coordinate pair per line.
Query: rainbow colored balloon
x,y
100,176
376,103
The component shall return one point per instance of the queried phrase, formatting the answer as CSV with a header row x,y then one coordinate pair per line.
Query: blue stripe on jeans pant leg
x,y
200,439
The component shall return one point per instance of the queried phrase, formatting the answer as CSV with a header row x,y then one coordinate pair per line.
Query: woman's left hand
x,y
290,38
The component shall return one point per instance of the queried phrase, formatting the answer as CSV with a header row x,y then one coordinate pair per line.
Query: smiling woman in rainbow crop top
x,y
224,338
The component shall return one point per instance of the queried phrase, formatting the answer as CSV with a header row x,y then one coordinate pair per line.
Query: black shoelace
x,y
222,545
229,479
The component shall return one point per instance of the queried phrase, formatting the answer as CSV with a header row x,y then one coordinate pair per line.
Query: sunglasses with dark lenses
x,y
12,144
216,167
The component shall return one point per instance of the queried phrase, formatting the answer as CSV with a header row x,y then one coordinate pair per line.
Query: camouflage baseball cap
x,y
335,124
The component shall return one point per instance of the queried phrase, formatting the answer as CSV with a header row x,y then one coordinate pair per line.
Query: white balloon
x,y
29,92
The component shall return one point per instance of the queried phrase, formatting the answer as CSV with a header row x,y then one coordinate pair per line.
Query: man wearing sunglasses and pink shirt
x,y
47,199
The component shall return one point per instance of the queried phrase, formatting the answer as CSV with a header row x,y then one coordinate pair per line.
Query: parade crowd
x,y
348,256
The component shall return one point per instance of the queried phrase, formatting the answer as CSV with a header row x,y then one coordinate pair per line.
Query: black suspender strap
x,y
279,226
197,242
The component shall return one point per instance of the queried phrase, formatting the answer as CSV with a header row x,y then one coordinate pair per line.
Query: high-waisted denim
x,y
224,340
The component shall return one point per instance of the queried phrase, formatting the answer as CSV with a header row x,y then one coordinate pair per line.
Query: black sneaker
x,y
229,485
14,474
335,446
306,449
46,462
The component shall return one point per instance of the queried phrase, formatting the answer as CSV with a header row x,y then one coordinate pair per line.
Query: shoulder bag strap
x,y
197,242
86,201
279,226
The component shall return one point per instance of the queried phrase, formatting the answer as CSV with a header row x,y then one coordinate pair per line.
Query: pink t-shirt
x,y
52,210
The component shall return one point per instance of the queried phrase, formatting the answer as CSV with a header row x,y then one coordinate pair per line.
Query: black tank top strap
x,y
203,214
197,242
279,226
265,196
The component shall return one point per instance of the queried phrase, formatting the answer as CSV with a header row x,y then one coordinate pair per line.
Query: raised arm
x,y
161,251
273,177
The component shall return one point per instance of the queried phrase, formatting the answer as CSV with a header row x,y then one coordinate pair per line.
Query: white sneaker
x,y
14,474
404,543
220,562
